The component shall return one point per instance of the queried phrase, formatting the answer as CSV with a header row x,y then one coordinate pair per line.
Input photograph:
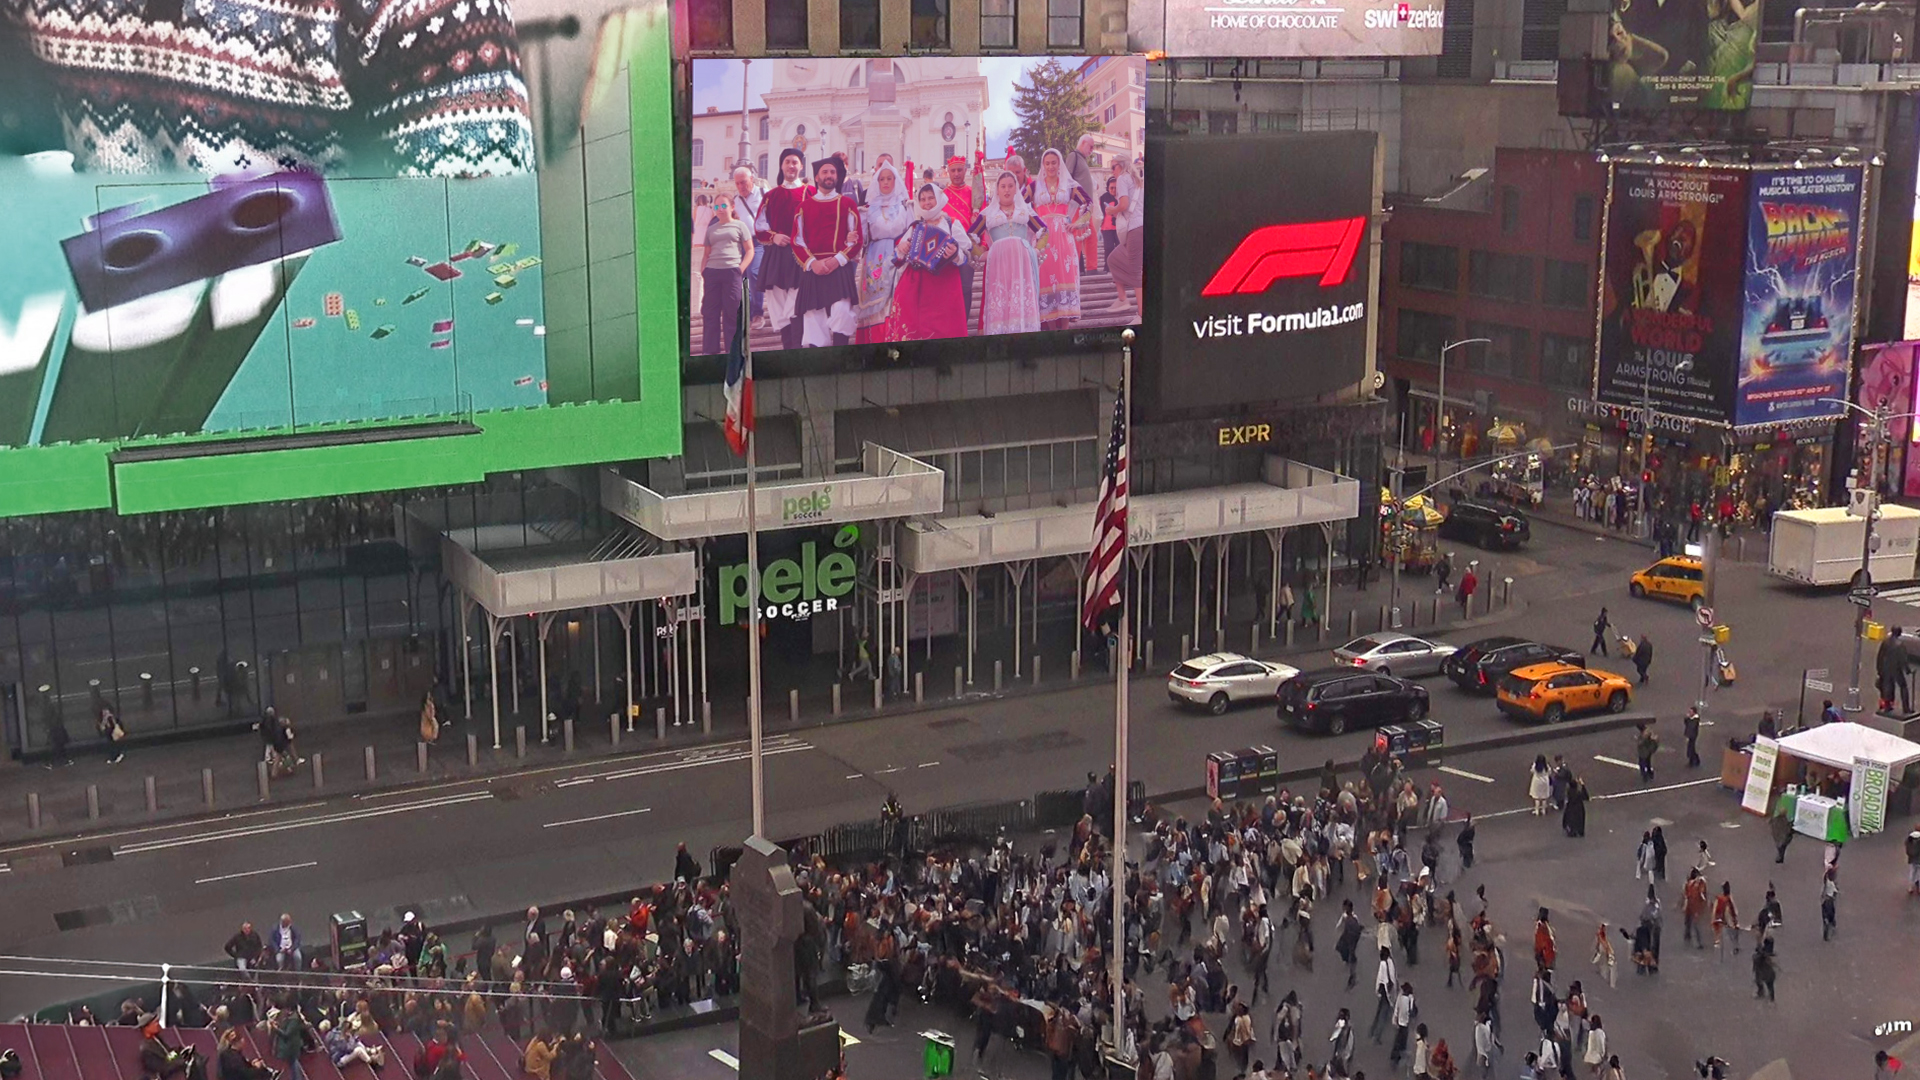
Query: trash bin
x,y
1223,774
1391,739
939,1054
1432,735
1259,770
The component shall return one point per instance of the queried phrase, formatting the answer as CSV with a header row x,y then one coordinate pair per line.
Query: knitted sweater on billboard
x,y
358,87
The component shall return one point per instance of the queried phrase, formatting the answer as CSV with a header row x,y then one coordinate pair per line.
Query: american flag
x,y
1100,584
739,387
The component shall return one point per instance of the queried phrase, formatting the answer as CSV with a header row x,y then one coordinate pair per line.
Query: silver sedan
x,y
1218,680
1394,654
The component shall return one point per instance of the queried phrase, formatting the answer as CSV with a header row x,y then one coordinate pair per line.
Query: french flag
x,y
739,389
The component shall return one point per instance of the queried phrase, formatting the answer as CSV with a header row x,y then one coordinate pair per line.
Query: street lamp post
x,y
1646,434
1876,420
1440,408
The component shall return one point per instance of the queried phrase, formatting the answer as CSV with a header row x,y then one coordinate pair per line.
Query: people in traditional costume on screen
x,y
1065,209
1007,227
827,247
1108,237
1127,261
885,220
774,228
927,301
964,198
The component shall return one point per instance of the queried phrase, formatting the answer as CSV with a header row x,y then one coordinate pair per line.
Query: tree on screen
x,y
1054,111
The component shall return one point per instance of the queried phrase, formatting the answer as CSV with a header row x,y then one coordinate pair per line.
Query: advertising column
x,y
1671,297
1797,339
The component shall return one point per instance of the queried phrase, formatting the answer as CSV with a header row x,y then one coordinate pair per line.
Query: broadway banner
x,y
1803,233
1671,296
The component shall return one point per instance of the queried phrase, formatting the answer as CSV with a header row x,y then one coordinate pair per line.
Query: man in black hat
x,y
775,226
827,247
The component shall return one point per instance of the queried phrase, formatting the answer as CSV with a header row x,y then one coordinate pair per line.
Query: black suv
x,y
1488,524
1477,667
1338,699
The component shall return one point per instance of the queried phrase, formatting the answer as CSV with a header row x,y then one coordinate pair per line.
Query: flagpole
x,y
1116,963
754,733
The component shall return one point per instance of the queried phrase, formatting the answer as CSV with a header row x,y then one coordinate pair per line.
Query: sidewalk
x,y
91,794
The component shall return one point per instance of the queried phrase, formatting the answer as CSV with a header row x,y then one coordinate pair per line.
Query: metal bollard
x,y
996,677
520,741
1073,664
1036,669
919,687
1353,623
260,775
1289,633
706,718
1186,646
1506,592
836,700
473,750
93,799
1256,638
613,729
878,690
193,678
959,680
1320,629
319,772
206,787
371,771
793,705
566,735
1436,611
33,810
660,723
420,757
1383,618
1149,652
146,690
153,797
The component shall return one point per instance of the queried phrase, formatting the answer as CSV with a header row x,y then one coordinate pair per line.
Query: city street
x,y
492,845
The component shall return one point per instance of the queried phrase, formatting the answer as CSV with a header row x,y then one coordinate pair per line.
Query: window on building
x,y
699,152
1565,284
930,25
1274,121
996,24
766,128
859,24
1540,29
1566,363
1456,41
1112,111
1421,335
1186,121
946,152
762,163
1505,358
786,27
712,24
1221,122
1509,209
1429,266
1500,277
1583,217
1063,24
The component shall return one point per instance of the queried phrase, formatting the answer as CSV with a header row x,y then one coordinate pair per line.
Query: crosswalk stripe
x,y
1908,595
1616,761
1469,775
724,1058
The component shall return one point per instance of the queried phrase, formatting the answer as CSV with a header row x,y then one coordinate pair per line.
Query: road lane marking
x,y
895,769
678,766
724,1058
253,873
1469,775
1616,761
1653,790
855,775
927,764
194,839
597,817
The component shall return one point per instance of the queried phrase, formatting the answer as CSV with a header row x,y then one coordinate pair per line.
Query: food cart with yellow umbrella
x,y
1411,527
1519,479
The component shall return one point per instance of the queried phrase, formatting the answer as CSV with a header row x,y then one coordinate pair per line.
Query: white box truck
x,y
1822,547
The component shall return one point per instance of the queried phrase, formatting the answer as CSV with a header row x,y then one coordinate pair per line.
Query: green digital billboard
x,y
329,275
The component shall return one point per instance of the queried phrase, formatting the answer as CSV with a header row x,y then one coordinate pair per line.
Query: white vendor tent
x,y
1837,745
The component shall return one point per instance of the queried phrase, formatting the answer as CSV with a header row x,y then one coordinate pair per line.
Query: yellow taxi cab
x,y
1676,577
1550,691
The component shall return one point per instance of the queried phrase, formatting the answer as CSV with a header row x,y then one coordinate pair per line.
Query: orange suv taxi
x,y
1549,692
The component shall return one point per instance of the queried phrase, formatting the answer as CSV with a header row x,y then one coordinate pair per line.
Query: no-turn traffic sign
x,y
1705,615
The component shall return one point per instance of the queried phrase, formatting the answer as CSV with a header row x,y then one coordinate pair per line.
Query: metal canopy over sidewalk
x,y
889,485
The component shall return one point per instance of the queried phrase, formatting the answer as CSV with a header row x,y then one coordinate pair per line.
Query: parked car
x,y
1477,666
1218,680
1551,692
1488,524
1338,699
1676,577
1390,653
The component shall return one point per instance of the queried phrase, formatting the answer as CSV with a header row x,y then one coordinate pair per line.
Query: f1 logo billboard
x,y
1267,299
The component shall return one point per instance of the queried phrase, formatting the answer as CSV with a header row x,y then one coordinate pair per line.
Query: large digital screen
x,y
1286,28
1672,290
1269,302
1682,54
1796,346
851,201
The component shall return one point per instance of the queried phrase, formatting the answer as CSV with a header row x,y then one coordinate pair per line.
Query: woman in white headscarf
x,y
927,300
885,219
1010,299
1064,207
